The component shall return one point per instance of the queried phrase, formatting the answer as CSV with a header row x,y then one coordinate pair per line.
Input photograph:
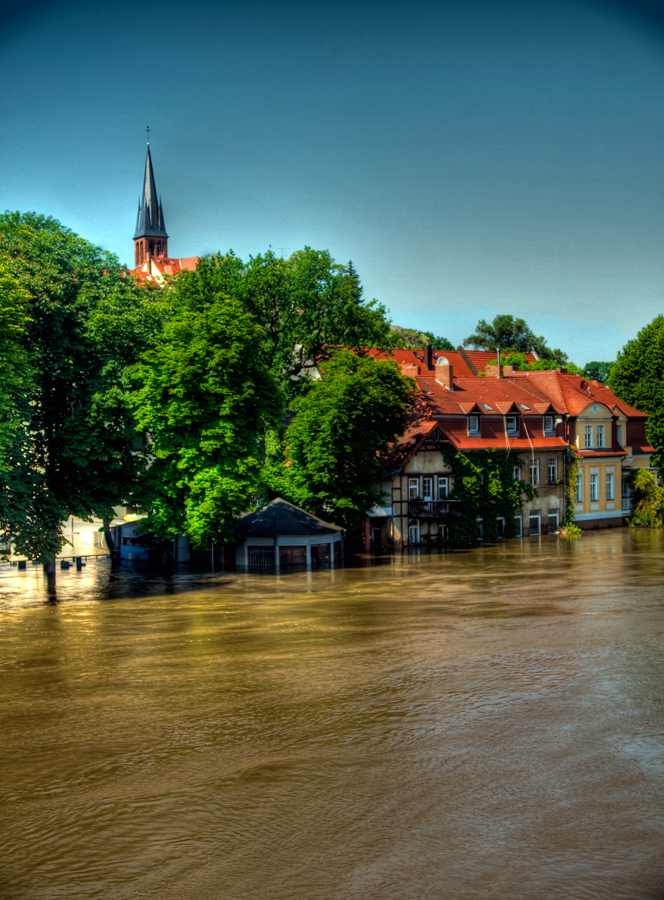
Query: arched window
x,y
151,248
158,248
140,253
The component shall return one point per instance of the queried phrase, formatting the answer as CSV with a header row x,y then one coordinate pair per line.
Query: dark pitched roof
x,y
282,518
150,221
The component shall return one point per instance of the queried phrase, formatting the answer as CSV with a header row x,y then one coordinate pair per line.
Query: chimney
x,y
445,377
428,356
413,371
494,371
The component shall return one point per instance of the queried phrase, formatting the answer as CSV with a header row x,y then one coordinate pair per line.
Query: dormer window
x,y
473,424
512,425
548,423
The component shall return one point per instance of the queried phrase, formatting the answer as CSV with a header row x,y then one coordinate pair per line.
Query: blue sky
x,y
471,158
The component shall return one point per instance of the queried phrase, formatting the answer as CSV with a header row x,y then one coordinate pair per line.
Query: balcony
x,y
433,509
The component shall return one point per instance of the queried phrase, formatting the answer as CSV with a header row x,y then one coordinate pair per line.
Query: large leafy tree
x,y
304,305
509,333
344,422
205,399
637,377
598,371
72,454
14,364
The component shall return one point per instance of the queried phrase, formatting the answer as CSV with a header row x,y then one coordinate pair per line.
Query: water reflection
x,y
481,723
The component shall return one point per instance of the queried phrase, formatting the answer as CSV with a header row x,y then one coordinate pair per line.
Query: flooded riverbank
x,y
486,723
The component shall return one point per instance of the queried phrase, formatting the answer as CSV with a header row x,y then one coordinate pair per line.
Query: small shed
x,y
282,536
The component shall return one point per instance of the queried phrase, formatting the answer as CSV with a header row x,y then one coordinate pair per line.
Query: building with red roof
x,y
151,259
545,420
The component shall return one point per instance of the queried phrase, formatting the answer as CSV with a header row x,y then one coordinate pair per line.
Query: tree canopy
x,y
508,333
637,377
518,360
305,305
598,371
14,363
205,399
69,455
330,463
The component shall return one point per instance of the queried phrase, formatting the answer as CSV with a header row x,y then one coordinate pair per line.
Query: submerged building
x,y
549,422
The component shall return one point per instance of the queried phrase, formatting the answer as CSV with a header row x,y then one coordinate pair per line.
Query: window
x,y
413,488
610,486
413,535
261,557
548,423
553,469
619,434
626,502
517,473
589,436
518,523
534,471
512,425
534,522
427,488
292,556
600,435
443,487
554,517
473,424
594,487
579,487
500,523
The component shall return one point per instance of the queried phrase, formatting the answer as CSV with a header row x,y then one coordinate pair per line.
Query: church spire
x,y
150,237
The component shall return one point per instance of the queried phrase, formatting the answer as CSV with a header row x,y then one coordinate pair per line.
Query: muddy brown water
x,y
479,724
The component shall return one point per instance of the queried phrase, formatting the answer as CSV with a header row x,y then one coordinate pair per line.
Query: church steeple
x,y
150,239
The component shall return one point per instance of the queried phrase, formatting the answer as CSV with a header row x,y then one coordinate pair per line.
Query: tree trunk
x,y
49,572
110,543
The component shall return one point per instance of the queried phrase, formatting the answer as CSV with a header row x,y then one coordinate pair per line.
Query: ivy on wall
x,y
484,482
573,463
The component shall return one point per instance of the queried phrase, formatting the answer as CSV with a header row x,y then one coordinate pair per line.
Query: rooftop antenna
x,y
147,129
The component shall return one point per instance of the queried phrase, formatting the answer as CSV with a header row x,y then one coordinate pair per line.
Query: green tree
x,y
343,424
305,305
204,402
598,371
69,456
15,370
648,499
637,377
518,360
507,333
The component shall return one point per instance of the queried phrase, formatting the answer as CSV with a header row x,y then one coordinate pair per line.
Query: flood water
x,y
480,724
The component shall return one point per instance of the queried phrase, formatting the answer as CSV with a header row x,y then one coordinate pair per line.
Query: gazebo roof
x,y
283,518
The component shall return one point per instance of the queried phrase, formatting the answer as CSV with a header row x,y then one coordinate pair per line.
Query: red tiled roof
x,y
417,358
565,391
164,265
420,425
489,395
483,358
